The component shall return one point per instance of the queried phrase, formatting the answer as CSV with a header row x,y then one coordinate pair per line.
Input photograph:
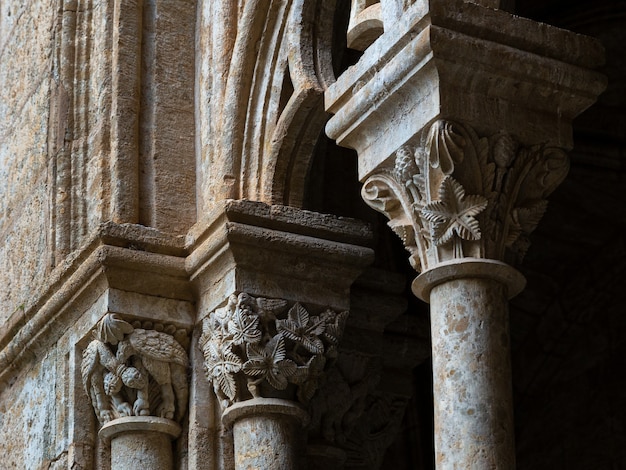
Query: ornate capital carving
x,y
256,347
137,369
457,194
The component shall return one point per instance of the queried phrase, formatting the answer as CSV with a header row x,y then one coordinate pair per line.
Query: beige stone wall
x,y
26,55
29,415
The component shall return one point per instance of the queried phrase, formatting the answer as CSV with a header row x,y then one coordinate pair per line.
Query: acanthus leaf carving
x,y
252,348
457,194
131,370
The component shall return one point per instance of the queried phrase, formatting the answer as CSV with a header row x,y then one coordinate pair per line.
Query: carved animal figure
x,y
103,375
160,355
123,355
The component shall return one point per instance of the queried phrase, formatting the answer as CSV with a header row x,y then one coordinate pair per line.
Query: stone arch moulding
x,y
272,96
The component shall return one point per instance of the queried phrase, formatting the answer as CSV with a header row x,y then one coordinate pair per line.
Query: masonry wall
x,y
26,56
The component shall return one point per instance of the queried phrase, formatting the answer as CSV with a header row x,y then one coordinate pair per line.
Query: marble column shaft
x,y
473,410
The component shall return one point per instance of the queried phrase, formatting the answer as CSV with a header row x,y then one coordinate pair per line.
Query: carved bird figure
x,y
155,354
161,356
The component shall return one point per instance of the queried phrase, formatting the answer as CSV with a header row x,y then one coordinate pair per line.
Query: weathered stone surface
x,y
126,126
24,103
267,433
429,109
28,412
141,442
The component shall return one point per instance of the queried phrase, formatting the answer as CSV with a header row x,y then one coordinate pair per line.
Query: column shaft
x,y
139,442
267,433
141,449
472,375
266,442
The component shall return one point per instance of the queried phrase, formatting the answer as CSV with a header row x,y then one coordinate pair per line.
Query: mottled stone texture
x,y
124,126
141,442
28,417
268,434
141,449
471,375
24,100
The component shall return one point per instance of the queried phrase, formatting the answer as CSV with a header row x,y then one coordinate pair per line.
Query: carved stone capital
x,y
457,194
256,347
136,369
460,129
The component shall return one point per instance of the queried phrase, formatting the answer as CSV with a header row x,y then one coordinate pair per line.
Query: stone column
x,y
461,126
273,303
268,433
265,365
141,442
471,361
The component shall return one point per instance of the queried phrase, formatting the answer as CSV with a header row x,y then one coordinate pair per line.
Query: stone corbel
x,y
461,117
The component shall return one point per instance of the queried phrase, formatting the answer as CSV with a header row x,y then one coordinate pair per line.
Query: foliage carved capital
x,y
257,347
137,369
457,194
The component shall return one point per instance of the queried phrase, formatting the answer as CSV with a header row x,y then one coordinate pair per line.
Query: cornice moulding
x,y
113,258
126,260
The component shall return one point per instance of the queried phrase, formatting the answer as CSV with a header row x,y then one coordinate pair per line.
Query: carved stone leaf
x,y
222,363
269,308
530,216
454,213
515,230
302,329
279,376
405,233
445,146
308,377
269,363
244,328
335,324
